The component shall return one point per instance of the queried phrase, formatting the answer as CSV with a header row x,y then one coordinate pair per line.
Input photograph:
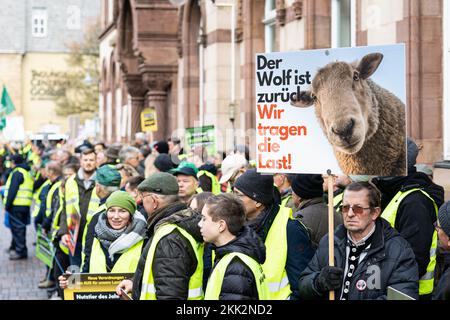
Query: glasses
x,y
356,209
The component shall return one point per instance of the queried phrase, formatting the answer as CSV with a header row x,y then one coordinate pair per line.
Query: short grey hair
x,y
168,199
108,189
127,153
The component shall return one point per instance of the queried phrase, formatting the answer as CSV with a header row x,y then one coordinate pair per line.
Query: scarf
x,y
119,241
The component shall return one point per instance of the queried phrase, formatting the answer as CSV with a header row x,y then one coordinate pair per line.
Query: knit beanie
x,y
163,162
122,200
256,186
444,217
107,175
308,186
161,147
413,151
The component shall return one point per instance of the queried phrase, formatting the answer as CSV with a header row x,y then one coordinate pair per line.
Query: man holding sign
x,y
369,254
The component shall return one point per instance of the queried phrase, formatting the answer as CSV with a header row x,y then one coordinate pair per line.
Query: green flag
x,y
6,104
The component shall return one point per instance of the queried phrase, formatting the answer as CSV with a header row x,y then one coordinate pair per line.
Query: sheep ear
x,y
305,100
369,64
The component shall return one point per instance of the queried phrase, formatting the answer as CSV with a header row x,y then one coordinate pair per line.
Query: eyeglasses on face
x,y
345,208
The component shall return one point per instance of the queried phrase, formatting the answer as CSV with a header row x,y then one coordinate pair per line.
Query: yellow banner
x,y
149,120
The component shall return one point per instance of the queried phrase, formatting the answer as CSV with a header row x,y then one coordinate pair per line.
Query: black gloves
x,y
329,279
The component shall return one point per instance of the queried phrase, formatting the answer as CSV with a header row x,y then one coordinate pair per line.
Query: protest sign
x,y
74,228
94,286
44,248
201,136
149,120
316,111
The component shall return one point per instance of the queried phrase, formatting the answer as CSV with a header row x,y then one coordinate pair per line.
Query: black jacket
x,y
416,213
239,281
174,261
16,180
442,289
300,248
390,256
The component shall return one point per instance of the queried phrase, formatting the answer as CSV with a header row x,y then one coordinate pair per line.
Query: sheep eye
x,y
356,76
313,96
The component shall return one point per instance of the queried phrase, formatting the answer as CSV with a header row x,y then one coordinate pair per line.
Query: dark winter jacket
x,y
174,261
16,180
314,214
390,256
442,289
239,281
300,248
39,219
416,213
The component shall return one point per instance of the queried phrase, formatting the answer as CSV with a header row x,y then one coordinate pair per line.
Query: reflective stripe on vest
x,y
24,196
148,291
214,286
127,262
215,186
48,207
390,214
276,255
73,201
37,201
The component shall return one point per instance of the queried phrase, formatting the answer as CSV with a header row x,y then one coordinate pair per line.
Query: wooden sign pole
x,y
330,224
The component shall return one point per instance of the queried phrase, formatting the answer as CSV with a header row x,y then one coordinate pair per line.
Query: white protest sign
x,y
315,114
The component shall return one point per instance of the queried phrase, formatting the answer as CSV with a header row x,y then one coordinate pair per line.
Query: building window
x,y
343,23
446,100
39,22
269,25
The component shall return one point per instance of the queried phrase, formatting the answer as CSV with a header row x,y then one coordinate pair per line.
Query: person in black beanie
x,y
161,147
442,289
163,162
307,193
288,245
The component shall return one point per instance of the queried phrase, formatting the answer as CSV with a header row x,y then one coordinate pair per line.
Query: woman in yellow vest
x,y
118,237
237,272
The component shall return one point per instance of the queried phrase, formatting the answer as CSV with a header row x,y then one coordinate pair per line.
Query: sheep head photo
x,y
363,122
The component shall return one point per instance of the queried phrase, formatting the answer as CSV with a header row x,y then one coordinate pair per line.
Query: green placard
x,y
44,249
201,136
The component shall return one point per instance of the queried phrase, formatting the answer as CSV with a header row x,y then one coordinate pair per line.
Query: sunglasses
x,y
356,209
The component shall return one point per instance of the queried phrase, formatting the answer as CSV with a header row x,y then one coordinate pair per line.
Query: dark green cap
x,y
108,176
161,183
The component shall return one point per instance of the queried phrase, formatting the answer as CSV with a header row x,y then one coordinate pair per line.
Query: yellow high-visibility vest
x,y
337,200
214,286
215,186
86,226
426,282
127,262
36,196
148,290
48,207
72,197
276,256
24,196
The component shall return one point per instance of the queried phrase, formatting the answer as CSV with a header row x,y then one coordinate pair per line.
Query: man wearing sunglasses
x,y
369,255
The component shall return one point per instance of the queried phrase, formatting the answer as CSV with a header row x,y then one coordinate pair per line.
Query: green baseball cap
x,y
185,168
161,182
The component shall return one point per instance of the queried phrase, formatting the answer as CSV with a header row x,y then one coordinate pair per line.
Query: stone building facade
x,y
35,34
194,60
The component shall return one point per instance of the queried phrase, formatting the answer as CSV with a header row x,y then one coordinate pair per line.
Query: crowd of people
x,y
198,226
